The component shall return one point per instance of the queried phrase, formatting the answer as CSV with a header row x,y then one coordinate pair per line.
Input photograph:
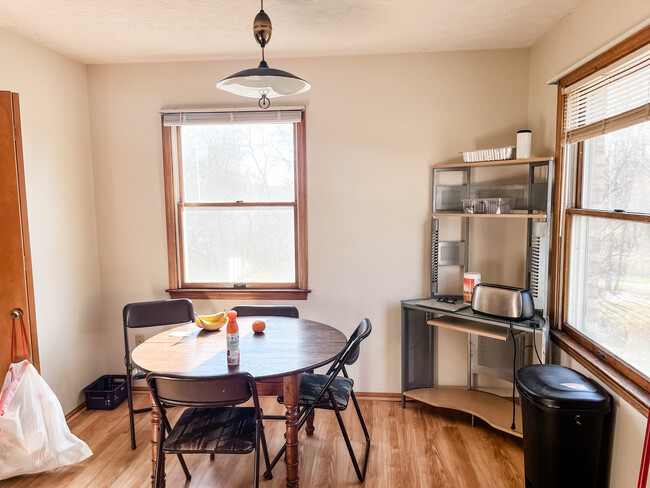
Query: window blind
x,y
608,101
171,119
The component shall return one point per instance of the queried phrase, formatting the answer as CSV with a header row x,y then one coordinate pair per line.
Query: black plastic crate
x,y
106,393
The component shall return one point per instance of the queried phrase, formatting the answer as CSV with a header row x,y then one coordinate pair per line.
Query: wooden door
x,y
16,285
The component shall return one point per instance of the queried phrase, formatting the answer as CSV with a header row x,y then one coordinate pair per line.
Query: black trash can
x,y
566,422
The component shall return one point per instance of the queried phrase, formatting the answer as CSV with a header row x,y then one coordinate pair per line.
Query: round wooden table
x,y
276,358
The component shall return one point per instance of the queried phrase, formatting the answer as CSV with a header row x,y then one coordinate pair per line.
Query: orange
x,y
259,326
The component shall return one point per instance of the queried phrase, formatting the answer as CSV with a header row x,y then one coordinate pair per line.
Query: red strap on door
x,y
22,336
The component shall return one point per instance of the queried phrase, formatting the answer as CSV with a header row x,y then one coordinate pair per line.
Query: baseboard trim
x,y
378,396
75,411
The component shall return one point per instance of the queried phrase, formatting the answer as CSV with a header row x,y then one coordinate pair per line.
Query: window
x,y
236,204
604,182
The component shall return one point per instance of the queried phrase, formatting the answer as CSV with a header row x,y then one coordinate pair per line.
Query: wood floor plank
x,y
420,446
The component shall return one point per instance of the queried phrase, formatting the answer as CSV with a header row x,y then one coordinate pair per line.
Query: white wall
x,y
61,211
375,125
589,27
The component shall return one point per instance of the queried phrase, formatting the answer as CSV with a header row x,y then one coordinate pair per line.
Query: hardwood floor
x,y
420,446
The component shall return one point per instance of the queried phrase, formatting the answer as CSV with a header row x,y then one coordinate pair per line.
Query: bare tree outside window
x,y
609,285
233,164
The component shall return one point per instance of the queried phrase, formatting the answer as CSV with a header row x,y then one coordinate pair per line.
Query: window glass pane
x,y
238,162
239,245
609,286
617,170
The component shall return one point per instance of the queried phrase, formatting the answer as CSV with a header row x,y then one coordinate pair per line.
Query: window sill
x,y
615,380
242,294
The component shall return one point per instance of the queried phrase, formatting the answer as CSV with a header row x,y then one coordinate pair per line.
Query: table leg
x,y
155,432
291,388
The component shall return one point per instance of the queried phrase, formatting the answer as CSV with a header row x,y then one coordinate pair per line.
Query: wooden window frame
x,y
629,383
298,290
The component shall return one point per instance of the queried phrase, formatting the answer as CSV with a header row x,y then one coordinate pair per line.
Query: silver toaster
x,y
506,302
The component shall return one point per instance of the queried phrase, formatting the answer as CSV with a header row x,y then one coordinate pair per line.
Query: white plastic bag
x,y
34,435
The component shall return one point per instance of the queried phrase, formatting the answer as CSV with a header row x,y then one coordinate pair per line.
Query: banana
x,y
211,322
212,318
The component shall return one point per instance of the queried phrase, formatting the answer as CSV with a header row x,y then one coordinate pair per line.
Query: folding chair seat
x,y
311,386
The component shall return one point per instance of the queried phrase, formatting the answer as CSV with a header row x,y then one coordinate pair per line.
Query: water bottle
x,y
232,339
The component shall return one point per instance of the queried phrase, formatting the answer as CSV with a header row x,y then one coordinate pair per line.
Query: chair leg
x,y
303,415
303,419
310,418
129,395
256,482
188,476
141,410
365,433
268,475
360,474
160,458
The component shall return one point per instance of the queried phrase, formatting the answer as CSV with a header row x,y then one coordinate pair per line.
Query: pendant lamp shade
x,y
263,80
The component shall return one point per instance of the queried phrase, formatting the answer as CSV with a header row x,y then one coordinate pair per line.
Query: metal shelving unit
x,y
532,204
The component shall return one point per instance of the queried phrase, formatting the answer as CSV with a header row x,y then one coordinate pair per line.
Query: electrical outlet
x,y
139,339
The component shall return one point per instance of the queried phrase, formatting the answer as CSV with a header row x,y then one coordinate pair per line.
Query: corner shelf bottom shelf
x,y
493,409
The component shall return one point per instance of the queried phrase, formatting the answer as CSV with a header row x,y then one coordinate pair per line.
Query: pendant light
x,y
263,82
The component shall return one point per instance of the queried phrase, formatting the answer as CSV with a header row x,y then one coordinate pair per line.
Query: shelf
x,y
471,327
533,216
483,164
536,324
493,409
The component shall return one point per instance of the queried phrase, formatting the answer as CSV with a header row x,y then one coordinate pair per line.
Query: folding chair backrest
x,y
193,391
161,312
351,351
268,310
363,330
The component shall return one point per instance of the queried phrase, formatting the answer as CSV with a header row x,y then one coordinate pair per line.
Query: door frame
x,y
10,102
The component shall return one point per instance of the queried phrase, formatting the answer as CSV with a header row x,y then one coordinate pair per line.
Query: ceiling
x,y
128,31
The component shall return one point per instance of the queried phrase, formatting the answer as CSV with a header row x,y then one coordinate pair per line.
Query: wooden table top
x,y
287,346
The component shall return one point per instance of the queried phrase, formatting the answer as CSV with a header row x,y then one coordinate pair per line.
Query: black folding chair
x,y
268,310
149,314
331,392
211,423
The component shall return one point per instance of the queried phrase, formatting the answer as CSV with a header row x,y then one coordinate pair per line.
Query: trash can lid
x,y
555,386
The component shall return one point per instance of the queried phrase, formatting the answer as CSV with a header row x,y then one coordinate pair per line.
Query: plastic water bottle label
x,y
232,343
